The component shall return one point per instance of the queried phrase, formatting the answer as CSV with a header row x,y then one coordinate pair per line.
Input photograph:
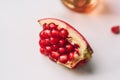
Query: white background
x,y
20,58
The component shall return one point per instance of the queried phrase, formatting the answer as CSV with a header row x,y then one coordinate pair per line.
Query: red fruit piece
x,y
47,42
63,33
71,56
115,29
42,50
42,43
55,47
64,44
62,50
69,48
63,58
42,35
48,49
55,33
45,26
54,40
47,33
53,26
55,55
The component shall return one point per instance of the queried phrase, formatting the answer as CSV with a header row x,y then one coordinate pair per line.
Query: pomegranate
x,y
63,44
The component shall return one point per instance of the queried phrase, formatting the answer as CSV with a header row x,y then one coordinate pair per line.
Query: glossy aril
x,y
42,43
55,33
62,50
71,56
48,49
55,55
62,43
53,26
45,26
63,58
42,35
47,42
69,47
55,47
47,33
63,33
54,40
43,51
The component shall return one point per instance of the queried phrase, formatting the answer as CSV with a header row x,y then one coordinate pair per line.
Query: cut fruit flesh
x,y
83,50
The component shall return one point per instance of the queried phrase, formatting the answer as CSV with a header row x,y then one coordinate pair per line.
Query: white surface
x,y
19,50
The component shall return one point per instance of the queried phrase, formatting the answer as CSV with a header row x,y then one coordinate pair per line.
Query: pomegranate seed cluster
x,y
55,43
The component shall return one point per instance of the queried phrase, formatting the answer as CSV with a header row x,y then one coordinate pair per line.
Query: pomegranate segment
x,y
62,43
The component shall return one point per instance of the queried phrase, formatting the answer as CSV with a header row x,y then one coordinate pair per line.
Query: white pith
x,y
76,38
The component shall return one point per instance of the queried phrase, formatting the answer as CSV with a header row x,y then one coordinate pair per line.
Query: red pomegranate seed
x,y
48,49
63,59
53,26
55,47
42,35
69,47
45,26
63,33
62,42
54,40
62,50
42,50
55,55
47,33
55,33
47,42
115,29
42,43
71,55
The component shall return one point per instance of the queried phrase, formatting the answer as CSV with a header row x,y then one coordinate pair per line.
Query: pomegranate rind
x,y
85,51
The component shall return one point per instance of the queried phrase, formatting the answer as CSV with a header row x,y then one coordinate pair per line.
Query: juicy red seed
x,y
48,49
64,33
69,47
47,33
71,56
54,40
55,47
45,26
42,50
55,55
63,58
62,50
55,33
53,26
42,43
41,34
62,42
115,29
47,42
